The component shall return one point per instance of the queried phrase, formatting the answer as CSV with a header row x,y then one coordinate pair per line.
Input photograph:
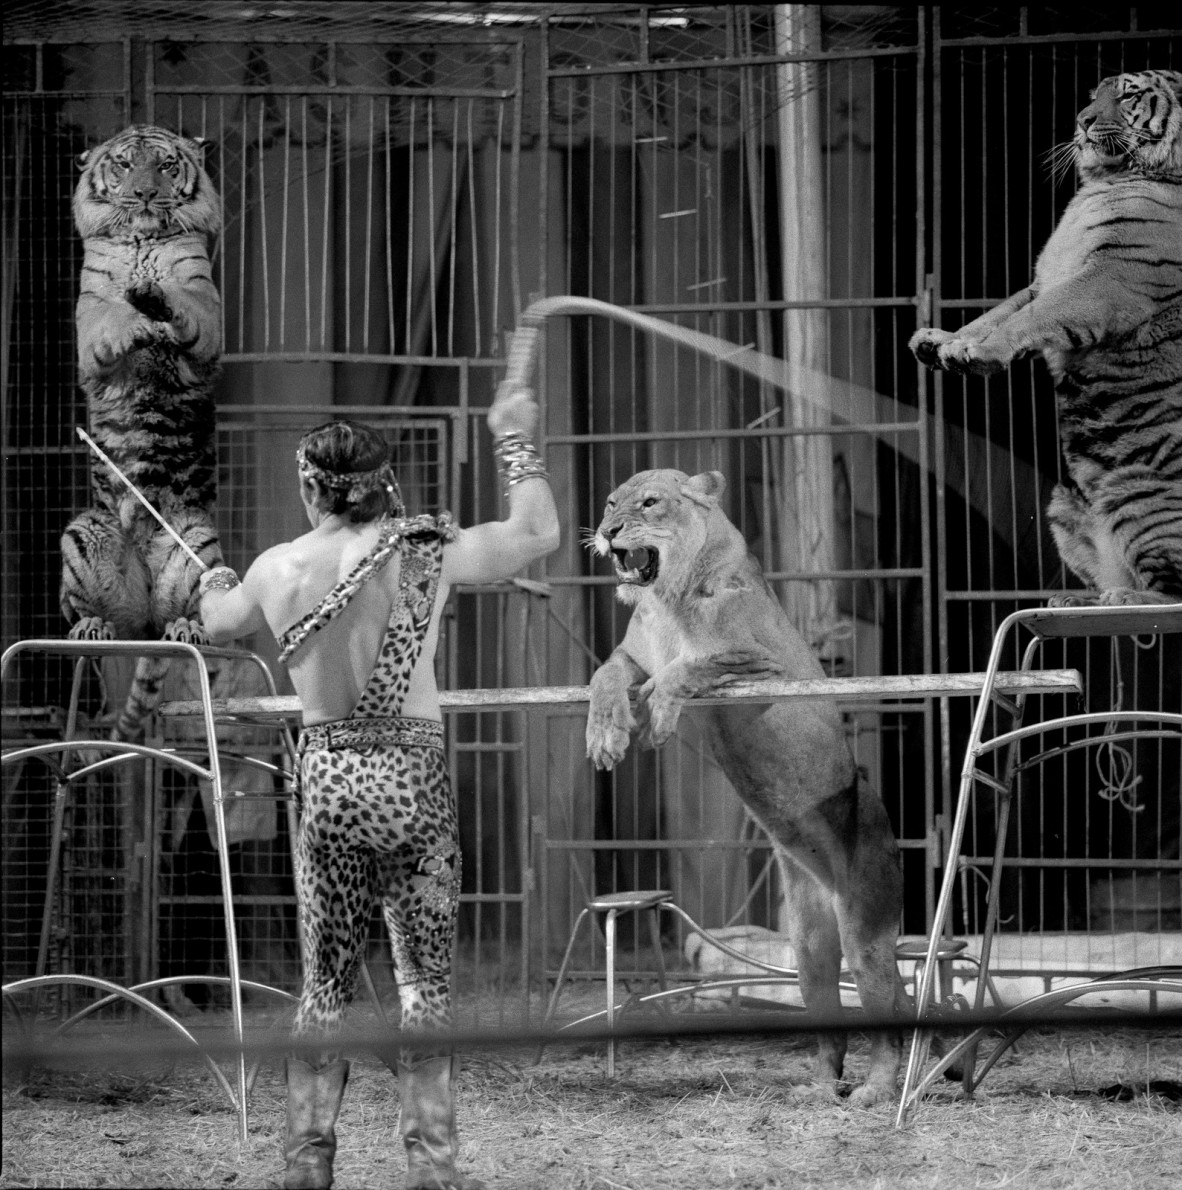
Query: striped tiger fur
x,y
149,342
1105,310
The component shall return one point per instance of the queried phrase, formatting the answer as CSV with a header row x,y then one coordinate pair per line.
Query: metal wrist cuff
x,y
220,578
517,459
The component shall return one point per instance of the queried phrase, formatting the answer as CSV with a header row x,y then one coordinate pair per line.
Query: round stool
x,y
948,950
611,905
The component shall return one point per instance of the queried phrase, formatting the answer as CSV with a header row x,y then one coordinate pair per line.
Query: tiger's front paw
x,y
967,357
148,298
117,342
609,728
189,632
1074,599
91,628
660,709
925,345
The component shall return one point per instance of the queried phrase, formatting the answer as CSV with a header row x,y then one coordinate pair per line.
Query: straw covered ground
x,y
689,1115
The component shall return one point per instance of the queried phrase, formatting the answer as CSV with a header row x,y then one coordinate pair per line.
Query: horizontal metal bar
x,y
852,706
656,844
1149,865
73,447
837,427
1015,41
282,707
358,357
45,94
902,51
225,36
968,303
642,845
868,303
242,899
328,90
997,596
772,576
377,412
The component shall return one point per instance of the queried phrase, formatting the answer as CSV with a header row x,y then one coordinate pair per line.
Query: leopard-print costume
x,y
377,815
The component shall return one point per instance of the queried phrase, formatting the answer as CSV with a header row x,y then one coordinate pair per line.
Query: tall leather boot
x,y
313,1101
429,1125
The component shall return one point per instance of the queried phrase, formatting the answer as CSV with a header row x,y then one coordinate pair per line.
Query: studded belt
x,y
396,730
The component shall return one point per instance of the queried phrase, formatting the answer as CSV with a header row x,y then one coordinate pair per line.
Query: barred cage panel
x,y
399,182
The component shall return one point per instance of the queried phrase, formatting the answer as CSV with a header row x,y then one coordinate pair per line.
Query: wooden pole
x,y
805,503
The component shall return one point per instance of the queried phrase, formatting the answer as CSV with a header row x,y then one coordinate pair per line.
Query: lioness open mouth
x,y
638,566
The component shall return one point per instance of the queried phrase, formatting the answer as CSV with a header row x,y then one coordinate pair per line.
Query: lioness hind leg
x,y
868,911
812,928
881,992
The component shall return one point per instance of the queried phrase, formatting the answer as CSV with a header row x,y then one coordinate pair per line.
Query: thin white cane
x,y
139,496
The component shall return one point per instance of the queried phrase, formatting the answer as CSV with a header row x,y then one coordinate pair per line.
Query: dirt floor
x,y
689,1115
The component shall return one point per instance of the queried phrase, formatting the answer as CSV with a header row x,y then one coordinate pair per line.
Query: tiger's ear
x,y
705,489
83,158
200,145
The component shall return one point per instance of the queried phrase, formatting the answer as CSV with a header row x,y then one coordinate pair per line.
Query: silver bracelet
x,y
220,578
517,459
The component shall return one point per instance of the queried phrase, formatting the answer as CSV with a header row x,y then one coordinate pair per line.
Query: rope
x,y
23,1046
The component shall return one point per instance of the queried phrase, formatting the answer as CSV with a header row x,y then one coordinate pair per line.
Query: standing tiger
x,y
149,341
1105,310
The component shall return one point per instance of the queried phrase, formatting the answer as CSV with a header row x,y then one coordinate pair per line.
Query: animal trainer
x,y
355,606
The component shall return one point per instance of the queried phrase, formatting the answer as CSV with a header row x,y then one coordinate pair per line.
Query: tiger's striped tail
x,y
147,687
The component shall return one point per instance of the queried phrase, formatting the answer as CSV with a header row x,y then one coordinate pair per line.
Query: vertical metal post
x,y
219,813
609,934
932,293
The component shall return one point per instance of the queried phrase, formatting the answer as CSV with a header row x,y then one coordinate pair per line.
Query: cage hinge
x,y
926,300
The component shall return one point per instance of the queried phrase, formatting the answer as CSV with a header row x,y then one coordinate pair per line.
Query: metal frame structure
x,y
610,125
1042,624
59,755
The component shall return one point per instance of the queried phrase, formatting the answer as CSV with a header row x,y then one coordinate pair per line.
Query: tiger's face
x,y
1134,122
146,181
654,526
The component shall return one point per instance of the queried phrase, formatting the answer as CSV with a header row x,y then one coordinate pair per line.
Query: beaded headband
x,y
359,483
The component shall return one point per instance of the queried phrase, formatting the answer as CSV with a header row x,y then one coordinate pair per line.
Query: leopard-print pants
x,y
378,821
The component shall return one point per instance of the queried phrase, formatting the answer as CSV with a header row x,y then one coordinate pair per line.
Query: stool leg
x,y
552,1006
562,970
654,927
609,930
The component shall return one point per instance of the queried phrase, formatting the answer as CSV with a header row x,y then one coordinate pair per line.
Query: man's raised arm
x,y
530,529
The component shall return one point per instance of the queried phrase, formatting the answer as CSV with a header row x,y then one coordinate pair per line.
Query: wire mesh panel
x,y
399,181
42,255
688,160
356,180
1093,842
40,492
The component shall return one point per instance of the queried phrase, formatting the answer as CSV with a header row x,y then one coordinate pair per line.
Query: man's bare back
x,y
330,669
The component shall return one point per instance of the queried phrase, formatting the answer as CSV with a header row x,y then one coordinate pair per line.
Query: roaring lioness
x,y
703,614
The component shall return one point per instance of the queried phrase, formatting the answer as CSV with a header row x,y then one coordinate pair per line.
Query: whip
x,y
139,496
781,373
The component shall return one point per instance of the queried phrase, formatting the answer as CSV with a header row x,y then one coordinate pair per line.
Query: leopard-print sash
x,y
393,531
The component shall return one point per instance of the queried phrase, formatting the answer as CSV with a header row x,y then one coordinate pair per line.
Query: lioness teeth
x,y
637,565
